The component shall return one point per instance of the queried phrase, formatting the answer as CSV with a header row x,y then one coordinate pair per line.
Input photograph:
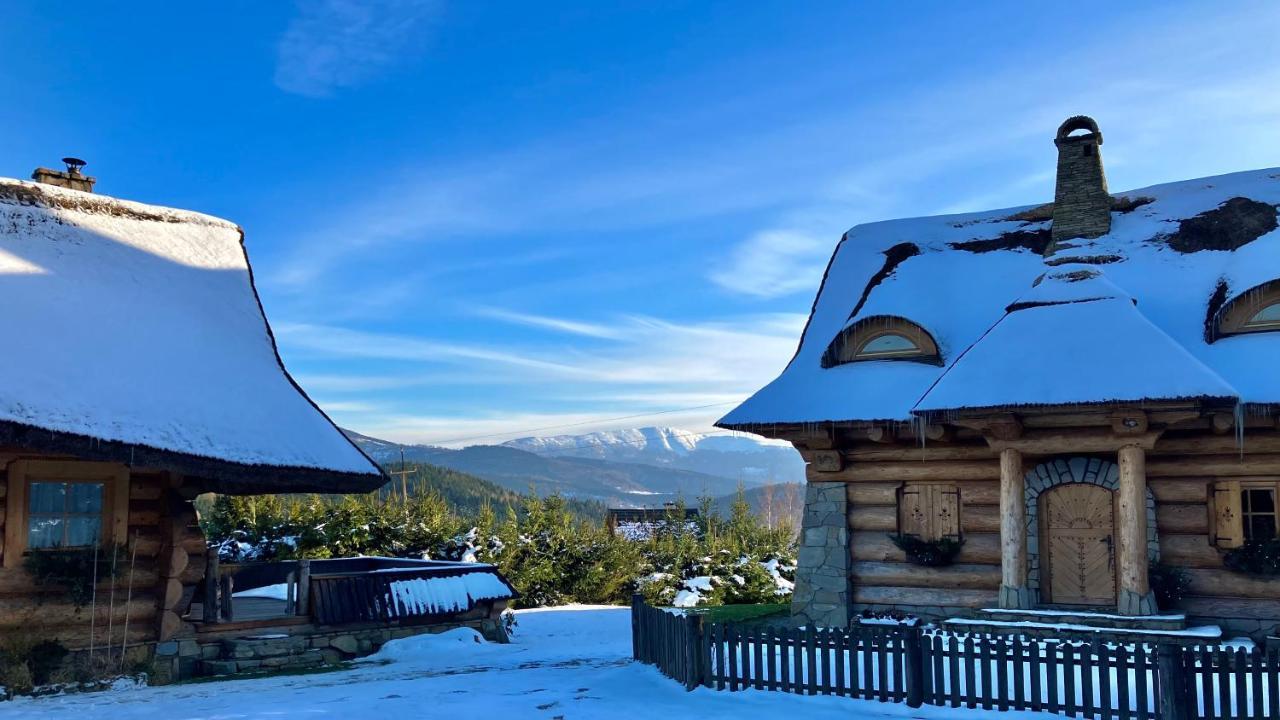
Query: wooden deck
x,y
252,609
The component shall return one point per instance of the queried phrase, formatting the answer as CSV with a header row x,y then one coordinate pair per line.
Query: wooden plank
x,y
1141,683
987,657
1053,689
1001,670
969,651
1273,683
1222,660
784,659
882,666
1088,706
905,575
862,471
1182,519
1104,680
1069,679
1225,583
800,669
1240,669
925,596
1124,684
1180,490
1256,658
811,655
868,660
875,546
954,652
980,519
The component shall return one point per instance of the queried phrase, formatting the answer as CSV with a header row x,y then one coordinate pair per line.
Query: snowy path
x,y
565,662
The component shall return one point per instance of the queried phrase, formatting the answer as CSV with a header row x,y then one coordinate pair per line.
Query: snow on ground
x,y
571,662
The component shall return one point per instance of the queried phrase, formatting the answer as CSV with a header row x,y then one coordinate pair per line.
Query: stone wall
x,y
1060,471
821,596
300,647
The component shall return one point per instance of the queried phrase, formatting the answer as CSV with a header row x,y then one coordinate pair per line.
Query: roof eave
x,y
213,474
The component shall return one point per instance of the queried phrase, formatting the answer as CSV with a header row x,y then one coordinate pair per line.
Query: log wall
x,y
169,563
1182,467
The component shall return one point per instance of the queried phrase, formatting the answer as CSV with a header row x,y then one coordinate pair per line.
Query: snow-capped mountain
x,y
738,456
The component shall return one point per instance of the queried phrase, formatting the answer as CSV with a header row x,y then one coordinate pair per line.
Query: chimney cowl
x,y
72,178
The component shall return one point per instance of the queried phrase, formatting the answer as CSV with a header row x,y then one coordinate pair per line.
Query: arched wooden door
x,y
1078,545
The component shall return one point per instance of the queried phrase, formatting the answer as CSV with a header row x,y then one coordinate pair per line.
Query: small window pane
x,y
83,530
85,498
1266,316
44,532
888,344
48,497
1261,527
1259,501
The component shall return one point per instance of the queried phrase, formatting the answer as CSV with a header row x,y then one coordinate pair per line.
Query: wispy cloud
x,y
773,263
336,44
562,325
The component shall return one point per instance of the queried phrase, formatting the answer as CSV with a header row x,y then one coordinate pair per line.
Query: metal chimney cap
x,y
74,164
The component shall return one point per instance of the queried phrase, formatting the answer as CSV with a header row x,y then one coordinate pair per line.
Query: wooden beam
x,y
1013,529
1131,527
1222,423
1002,426
1072,441
1129,421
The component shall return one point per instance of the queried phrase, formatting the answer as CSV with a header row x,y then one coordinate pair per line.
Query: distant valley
x,y
628,468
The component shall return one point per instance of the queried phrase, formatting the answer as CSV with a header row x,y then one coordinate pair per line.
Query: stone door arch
x,y
1060,471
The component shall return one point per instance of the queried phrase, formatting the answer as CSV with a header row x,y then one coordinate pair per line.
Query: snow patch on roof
x,y
141,325
973,266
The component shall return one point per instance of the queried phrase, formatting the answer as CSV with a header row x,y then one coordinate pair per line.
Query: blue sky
x,y
470,220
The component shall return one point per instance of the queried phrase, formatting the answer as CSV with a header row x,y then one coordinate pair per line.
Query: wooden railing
x,y
331,591
1082,676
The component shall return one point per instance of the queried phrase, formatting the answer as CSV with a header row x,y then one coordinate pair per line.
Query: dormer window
x,y
882,337
1255,310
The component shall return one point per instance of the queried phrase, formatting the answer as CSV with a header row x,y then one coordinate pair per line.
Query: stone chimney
x,y
72,178
1081,203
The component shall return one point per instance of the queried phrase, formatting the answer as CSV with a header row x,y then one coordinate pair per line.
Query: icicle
x,y
1239,418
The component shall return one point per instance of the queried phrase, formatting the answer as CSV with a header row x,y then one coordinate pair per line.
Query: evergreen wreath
x,y
928,553
1259,557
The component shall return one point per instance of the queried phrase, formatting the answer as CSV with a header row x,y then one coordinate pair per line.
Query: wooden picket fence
x,y
1082,677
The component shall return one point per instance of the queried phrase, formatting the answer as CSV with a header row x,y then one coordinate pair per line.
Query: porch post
x,y
1013,532
1135,597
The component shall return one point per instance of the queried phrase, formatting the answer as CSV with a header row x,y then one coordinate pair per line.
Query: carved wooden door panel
x,y
1079,530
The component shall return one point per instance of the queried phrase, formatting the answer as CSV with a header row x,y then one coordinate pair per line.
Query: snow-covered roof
x,y
135,334
968,280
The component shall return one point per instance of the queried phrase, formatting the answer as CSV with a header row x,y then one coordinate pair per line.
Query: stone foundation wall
x,y
300,647
821,595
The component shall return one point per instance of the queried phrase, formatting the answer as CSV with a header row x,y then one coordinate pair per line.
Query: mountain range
x,y
623,468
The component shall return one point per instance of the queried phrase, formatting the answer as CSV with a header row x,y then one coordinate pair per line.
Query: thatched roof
x,y
135,334
1180,251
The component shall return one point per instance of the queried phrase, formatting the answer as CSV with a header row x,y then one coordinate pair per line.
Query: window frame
x,y
22,473
1247,514
929,493
1228,526
849,345
1236,315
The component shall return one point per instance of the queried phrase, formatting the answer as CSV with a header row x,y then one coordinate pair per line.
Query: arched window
x,y
882,337
1254,310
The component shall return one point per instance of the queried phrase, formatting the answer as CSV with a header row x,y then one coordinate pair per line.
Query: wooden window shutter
x,y
1228,525
946,512
914,515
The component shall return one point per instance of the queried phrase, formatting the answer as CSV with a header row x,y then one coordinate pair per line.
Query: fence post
x,y
695,650
1171,682
915,667
211,580
304,587
637,602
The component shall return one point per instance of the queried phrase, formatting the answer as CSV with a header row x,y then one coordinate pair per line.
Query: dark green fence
x,y
1084,676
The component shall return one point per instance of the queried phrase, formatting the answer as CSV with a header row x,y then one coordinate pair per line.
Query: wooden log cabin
x,y
1079,392
140,372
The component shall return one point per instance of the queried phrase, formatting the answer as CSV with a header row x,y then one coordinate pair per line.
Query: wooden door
x,y
1078,548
